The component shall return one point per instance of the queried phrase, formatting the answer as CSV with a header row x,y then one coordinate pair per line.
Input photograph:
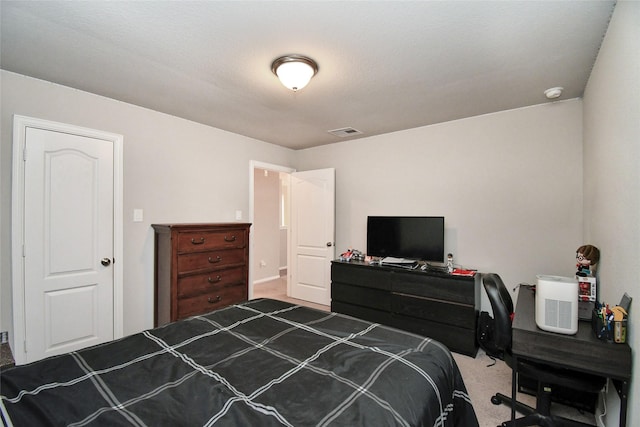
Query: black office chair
x,y
548,377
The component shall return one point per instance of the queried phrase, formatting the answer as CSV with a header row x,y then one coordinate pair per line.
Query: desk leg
x,y
514,387
624,391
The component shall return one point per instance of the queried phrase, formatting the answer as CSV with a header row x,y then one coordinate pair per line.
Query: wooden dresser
x,y
199,268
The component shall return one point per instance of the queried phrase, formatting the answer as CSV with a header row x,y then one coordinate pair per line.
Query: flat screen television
x,y
412,237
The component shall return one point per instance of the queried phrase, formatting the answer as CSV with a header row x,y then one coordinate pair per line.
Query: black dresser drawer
x,y
364,313
361,275
461,315
449,288
358,295
460,340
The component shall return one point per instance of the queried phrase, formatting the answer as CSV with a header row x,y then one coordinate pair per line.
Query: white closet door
x,y
68,242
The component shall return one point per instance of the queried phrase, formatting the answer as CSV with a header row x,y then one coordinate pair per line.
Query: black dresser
x,y
437,305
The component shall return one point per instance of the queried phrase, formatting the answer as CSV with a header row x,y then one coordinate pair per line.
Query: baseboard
x,y
266,279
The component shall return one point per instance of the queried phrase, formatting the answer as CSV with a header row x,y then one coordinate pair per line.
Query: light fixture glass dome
x,y
294,71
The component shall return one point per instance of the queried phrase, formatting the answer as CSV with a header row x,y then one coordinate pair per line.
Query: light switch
x,y
137,215
238,215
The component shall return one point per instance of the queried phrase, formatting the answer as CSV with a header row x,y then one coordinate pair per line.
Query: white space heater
x,y
557,304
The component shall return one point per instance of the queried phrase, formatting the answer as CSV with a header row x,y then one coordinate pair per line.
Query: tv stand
x,y
433,304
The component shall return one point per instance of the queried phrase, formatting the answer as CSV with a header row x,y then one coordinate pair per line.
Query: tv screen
x,y
413,237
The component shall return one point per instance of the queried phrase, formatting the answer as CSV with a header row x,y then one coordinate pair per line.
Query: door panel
x,y
312,234
71,327
68,230
68,219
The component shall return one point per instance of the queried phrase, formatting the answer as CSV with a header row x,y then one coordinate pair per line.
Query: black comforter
x,y
261,363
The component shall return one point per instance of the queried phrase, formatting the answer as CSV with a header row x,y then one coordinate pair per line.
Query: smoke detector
x,y
553,93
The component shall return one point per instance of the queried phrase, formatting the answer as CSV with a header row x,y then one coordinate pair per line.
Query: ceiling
x,y
384,66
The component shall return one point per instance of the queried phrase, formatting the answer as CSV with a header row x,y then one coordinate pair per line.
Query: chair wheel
x,y
496,400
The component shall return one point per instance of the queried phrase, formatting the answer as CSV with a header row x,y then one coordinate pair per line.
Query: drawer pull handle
x,y
230,239
197,242
214,300
216,280
216,260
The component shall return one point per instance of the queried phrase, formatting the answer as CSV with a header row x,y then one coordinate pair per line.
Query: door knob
x,y
329,244
105,261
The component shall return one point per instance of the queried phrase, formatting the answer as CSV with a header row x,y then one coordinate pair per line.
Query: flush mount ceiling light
x,y
294,71
553,92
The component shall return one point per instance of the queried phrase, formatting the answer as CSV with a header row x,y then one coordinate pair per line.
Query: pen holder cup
x,y
615,332
600,328
620,331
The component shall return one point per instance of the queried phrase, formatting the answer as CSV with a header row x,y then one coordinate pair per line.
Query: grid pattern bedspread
x,y
260,363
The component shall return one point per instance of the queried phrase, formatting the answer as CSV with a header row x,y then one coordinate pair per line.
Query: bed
x,y
260,363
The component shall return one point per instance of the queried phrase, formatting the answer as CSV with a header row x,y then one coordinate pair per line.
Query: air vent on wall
x,y
344,132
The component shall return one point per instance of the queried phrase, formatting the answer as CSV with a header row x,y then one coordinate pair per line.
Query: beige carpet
x,y
482,380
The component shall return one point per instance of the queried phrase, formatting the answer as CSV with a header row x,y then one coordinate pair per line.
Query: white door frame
x,y
20,124
253,165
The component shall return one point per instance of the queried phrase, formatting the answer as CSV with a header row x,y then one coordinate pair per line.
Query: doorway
x,y
270,225
268,214
270,235
309,235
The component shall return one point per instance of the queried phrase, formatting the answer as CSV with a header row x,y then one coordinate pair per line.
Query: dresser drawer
x,y
210,260
366,297
193,241
213,281
365,313
364,276
461,315
460,340
211,301
449,288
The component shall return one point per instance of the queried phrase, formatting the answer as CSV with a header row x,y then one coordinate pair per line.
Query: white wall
x,y
509,185
174,169
266,226
284,212
612,175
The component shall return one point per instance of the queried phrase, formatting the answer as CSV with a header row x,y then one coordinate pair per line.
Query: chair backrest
x,y
502,306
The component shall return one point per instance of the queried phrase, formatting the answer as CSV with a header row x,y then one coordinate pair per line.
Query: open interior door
x,y
312,235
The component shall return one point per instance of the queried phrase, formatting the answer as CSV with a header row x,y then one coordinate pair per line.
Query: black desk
x,y
581,352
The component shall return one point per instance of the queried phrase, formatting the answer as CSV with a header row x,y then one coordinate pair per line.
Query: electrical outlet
x,y
4,337
263,263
